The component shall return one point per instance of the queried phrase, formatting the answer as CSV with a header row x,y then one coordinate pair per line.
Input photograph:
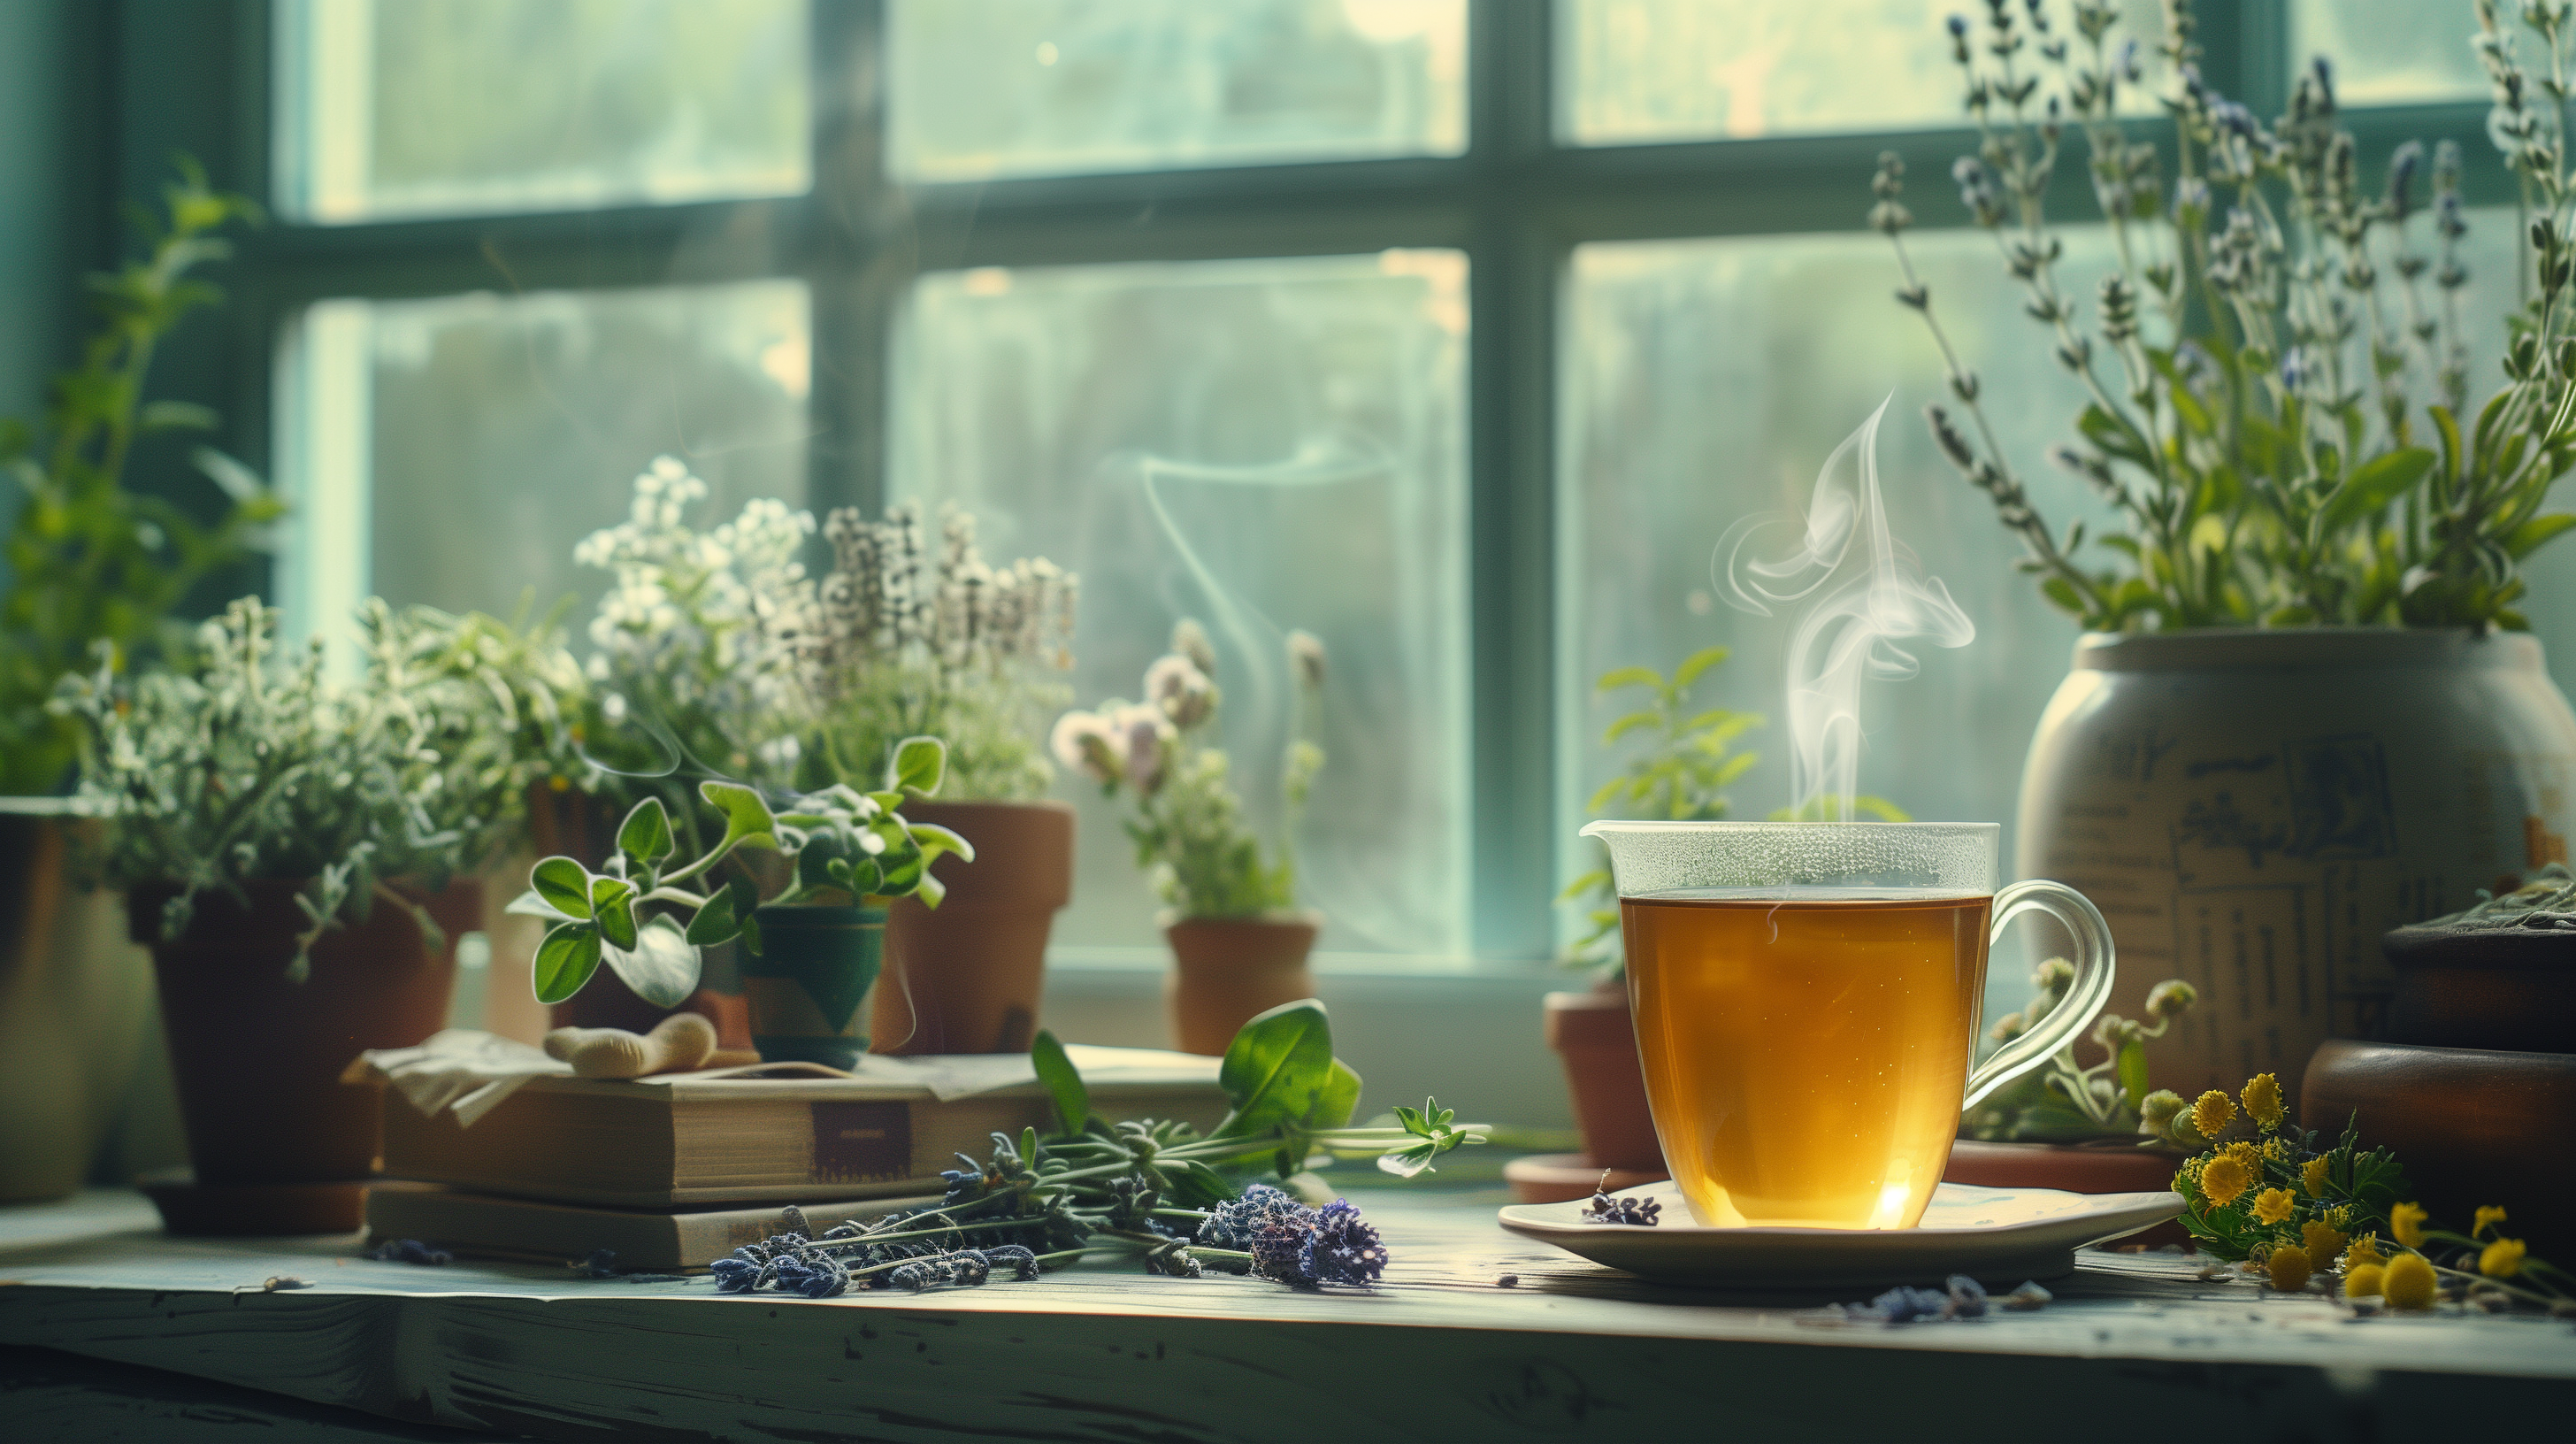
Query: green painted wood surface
x,y
1106,1352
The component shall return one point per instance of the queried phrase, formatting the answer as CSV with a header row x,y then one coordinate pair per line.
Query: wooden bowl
x,y
2507,988
2473,1126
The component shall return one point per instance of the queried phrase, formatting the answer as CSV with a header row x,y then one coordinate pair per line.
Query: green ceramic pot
x,y
809,987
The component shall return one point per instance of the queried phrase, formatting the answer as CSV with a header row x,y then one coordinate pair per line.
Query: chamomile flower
x,y
2408,1282
2212,1113
2316,1176
2273,1205
2288,1267
2262,1096
2223,1179
2501,1259
2489,1215
2406,1220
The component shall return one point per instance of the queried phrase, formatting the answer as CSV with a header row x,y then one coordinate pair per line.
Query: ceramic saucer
x,y
2000,1235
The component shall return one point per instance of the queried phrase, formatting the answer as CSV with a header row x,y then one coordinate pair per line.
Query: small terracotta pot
x,y
2512,989
2113,1166
808,985
258,1058
2472,1125
969,975
1231,970
1594,1035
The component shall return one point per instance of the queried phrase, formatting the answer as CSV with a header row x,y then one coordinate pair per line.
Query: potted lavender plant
x,y
2305,672
1239,941
906,641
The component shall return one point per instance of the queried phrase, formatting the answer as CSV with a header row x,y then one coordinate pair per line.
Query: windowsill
x,y
1087,959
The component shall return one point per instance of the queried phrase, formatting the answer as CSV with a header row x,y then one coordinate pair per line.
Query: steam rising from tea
x,y
1869,595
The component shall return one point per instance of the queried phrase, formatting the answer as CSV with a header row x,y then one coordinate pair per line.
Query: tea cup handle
x,y
2084,999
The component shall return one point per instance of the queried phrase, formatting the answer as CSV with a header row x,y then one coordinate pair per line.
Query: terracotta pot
x,y
75,1003
2472,1125
2508,988
969,975
1597,1040
808,985
2110,1166
258,1057
1230,970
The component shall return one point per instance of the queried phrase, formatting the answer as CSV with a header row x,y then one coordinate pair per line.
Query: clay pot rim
x,y
1040,804
2272,649
1169,919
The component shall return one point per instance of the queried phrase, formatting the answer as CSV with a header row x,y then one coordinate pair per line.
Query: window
x,y
1453,330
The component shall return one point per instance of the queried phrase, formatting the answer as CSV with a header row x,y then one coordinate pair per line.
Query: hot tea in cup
x,y
1807,998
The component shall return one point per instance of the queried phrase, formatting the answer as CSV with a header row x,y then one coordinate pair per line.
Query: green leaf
x,y
2449,426
2376,483
1696,663
2133,1073
565,961
750,935
1062,1080
1601,798
919,765
935,840
562,884
747,816
2062,592
1276,1068
720,921
615,913
1631,723
532,904
645,835
662,967
2527,538
176,416
1619,677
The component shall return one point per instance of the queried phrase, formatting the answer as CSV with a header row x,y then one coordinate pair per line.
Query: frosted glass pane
x,y
2397,52
979,88
453,107
1301,425
1669,70
496,432
1707,379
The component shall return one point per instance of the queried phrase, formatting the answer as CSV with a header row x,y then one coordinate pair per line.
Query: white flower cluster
x,y
887,599
719,619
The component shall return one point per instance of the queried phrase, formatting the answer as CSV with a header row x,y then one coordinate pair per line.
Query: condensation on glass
x,y
1264,445
2399,52
978,89
1703,380
389,109
1643,71
452,451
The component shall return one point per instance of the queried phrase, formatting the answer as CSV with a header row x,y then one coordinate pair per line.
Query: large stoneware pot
x,y
258,1056
75,1004
2251,810
1228,971
969,975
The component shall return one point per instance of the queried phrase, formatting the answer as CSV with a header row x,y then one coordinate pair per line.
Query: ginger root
x,y
678,1044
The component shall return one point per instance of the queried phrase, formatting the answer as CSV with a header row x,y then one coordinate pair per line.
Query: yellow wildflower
x,y
2276,1149
2321,1239
2340,1217
2316,1176
2289,1268
2212,1113
2488,1217
2362,1282
2262,1097
2408,1282
2223,1178
2273,1205
2406,1220
2364,1253
2502,1259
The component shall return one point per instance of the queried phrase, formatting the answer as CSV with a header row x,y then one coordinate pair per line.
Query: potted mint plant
x,y
1239,941
915,635
811,951
87,561
291,852
2304,647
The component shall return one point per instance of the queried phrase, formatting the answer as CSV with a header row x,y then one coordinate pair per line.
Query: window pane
x,y
452,451
390,108
2396,52
982,88
1264,445
1637,71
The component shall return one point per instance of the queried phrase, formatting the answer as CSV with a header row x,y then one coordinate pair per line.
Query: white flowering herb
x,y
910,639
242,763
648,918
1190,836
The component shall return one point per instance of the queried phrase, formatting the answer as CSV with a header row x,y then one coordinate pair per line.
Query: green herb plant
x,y
241,764
89,561
1201,857
2276,403
649,919
2064,1101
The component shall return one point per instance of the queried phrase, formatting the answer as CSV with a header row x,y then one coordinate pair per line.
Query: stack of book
x,y
673,1173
